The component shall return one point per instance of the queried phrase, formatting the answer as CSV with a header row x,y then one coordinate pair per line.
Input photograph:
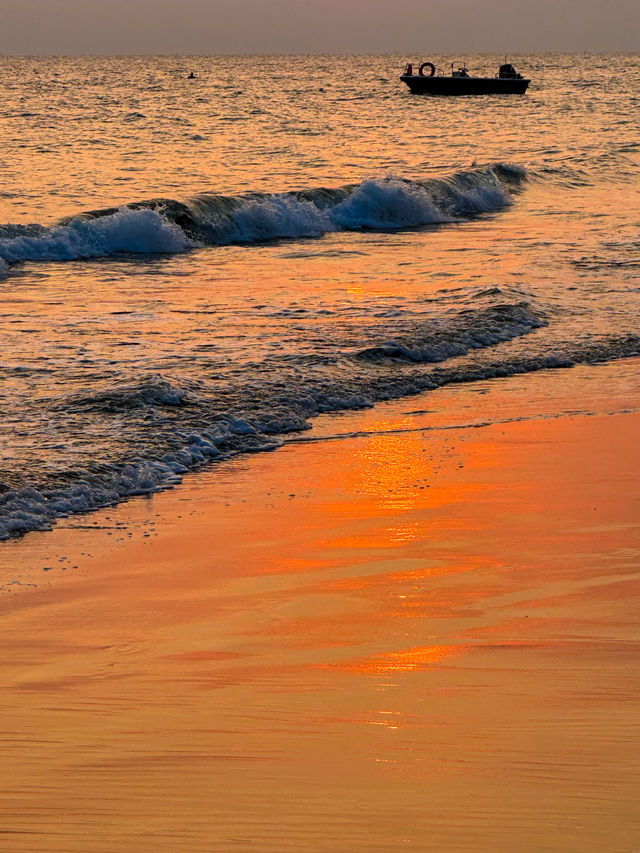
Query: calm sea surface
x,y
191,269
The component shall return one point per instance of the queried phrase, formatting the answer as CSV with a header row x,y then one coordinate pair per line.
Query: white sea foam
x,y
24,510
387,204
129,231
481,199
273,218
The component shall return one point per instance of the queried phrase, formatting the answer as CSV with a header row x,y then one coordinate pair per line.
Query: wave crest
x,y
170,226
126,231
470,330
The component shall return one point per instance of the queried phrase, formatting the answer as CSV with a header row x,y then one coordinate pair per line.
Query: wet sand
x,y
404,630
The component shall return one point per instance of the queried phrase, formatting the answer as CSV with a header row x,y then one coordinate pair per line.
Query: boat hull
x,y
465,85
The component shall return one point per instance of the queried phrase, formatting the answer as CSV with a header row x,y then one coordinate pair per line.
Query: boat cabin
x,y
508,72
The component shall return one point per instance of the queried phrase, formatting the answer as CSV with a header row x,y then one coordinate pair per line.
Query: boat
x,y
428,82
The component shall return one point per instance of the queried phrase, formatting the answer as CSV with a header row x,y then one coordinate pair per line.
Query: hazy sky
x,y
316,26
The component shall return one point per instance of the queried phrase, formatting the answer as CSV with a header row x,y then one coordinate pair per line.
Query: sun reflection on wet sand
x,y
433,647
409,659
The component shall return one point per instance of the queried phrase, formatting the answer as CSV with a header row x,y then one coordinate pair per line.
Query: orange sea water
x,y
223,312
417,632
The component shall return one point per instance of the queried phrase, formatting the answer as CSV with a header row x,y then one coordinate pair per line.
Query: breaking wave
x,y
166,226
125,231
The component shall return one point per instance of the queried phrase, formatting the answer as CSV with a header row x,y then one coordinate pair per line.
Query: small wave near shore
x,y
144,436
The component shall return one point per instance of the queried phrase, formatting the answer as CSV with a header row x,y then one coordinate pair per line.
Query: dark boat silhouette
x,y
427,82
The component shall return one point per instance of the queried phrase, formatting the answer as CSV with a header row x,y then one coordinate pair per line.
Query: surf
x,y
169,226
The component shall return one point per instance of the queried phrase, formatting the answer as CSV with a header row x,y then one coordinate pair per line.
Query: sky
x,y
317,26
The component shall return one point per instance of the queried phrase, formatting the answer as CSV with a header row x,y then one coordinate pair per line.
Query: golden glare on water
x,y
404,661
414,624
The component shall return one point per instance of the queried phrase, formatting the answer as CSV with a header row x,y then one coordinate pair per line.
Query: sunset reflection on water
x,y
407,660
367,662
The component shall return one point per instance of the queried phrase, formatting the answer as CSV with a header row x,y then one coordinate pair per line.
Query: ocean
x,y
194,269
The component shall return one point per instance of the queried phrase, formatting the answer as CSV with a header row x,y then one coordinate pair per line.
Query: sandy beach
x,y
414,627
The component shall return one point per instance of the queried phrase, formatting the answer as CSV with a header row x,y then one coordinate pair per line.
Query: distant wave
x,y
167,226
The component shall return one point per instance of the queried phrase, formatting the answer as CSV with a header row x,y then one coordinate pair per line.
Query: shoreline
x,y
420,633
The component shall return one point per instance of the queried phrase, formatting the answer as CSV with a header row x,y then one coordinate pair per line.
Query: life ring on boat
x,y
427,65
